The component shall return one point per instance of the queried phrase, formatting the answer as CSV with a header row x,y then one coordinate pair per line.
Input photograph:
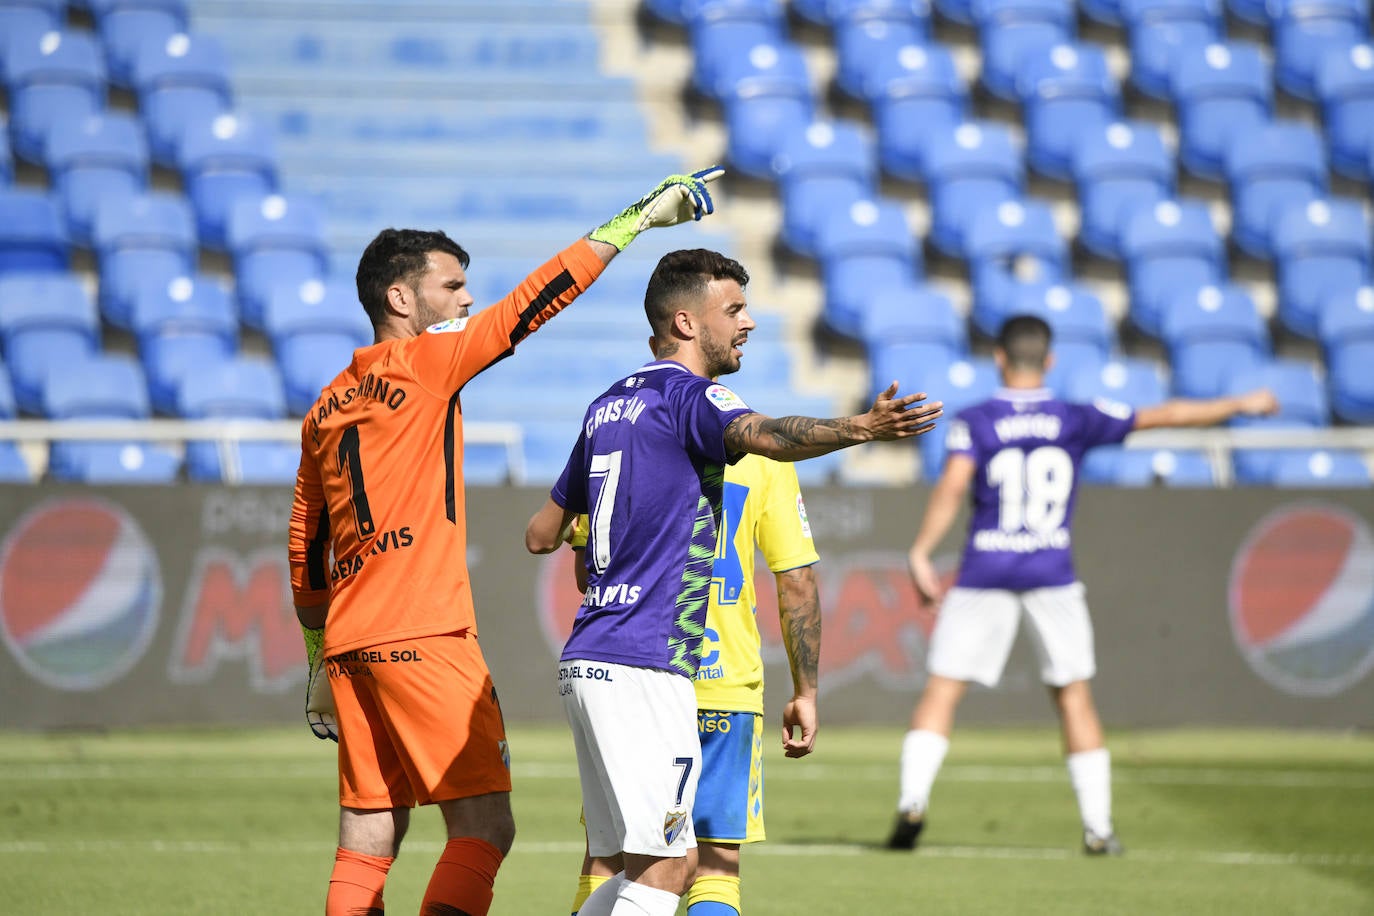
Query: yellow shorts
x,y
419,723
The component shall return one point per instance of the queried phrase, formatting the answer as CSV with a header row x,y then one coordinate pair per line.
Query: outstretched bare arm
x,y
793,438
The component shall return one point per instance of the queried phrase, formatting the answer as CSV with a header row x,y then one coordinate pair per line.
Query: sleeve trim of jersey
x,y
551,291
799,561
450,459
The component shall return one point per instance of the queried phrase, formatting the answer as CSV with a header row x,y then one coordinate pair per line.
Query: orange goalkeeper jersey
x,y
380,484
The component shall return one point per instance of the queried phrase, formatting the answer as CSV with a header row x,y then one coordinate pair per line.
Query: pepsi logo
x,y
1302,599
80,593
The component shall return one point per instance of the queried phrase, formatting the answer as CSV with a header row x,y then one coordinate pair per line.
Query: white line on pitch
x,y
1171,776
791,850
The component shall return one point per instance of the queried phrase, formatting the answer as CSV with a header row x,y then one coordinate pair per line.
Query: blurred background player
x,y
1020,451
649,471
380,486
762,506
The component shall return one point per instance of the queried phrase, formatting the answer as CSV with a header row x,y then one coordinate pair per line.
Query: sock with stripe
x,y
355,885
463,878
586,884
714,895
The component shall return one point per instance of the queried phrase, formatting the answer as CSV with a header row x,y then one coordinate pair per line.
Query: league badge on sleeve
x,y
724,399
445,327
673,822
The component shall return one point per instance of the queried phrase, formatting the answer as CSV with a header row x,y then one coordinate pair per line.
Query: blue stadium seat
x,y
960,11
32,237
1213,334
1306,31
822,168
1319,468
182,327
861,47
13,467
21,23
149,238
123,30
314,327
969,168
959,384
1158,29
273,239
1276,165
1218,91
1321,248
866,247
223,158
100,9
913,93
1084,337
1132,380
179,80
765,93
1168,248
1067,92
1346,330
906,328
104,387
715,49
47,320
1103,12
242,388
50,77
670,11
1302,405
1008,29
1255,12
1345,88
6,160
92,158
1118,169
1012,244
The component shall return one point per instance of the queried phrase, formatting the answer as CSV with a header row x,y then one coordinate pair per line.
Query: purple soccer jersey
x,y
1027,446
648,470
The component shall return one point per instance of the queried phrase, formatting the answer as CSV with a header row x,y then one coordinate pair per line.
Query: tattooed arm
x,y
795,438
799,611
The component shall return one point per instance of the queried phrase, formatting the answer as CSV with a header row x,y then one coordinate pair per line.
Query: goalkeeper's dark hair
x,y
399,255
683,275
1025,339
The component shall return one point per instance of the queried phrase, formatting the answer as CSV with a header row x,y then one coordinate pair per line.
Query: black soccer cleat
x,y
907,829
1097,845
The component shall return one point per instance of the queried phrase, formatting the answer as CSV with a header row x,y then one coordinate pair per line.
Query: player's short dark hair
x,y
683,274
1025,339
399,254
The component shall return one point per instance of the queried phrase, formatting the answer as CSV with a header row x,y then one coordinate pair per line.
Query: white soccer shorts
x,y
638,756
976,627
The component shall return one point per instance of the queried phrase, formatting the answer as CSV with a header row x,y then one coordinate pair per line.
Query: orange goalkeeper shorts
x,y
419,723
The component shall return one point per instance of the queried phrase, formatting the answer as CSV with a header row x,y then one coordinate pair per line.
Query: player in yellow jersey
x,y
763,505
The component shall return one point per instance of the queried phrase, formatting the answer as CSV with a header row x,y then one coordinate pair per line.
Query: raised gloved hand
x,y
319,698
677,199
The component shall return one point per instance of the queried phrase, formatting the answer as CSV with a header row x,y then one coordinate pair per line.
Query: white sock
x,y
922,754
643,900
602,900
1091,775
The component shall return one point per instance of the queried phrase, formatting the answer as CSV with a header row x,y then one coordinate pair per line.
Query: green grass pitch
x,y
243,821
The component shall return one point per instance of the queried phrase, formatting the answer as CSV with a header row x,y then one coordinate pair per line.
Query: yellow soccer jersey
x,y
762,504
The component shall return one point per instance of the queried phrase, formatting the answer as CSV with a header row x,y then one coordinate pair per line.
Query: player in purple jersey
x,y
1019,451
648,469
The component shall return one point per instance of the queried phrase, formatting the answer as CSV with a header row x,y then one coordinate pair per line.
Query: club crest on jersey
x,y
444,327
724,398
673,822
